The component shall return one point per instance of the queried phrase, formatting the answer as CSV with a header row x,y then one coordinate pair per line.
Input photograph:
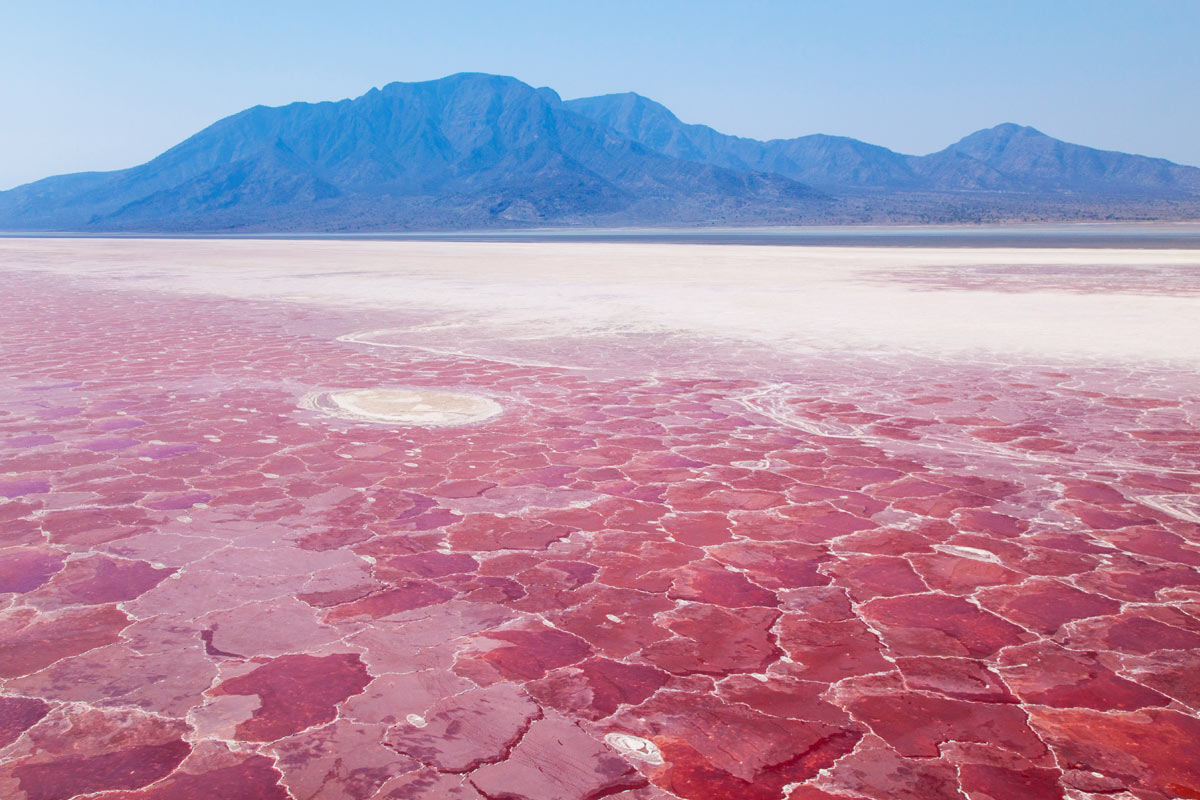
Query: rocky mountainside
x,y
1008,157
828,161
465,150
478,151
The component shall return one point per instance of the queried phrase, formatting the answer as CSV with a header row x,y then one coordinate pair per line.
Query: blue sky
x,y
104,85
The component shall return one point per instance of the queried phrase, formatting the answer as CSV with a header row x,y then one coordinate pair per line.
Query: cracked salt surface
x,y
694,565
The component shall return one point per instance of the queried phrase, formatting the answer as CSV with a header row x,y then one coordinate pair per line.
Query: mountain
x,y
1006,158
478,151
466,150
1018,158
832,162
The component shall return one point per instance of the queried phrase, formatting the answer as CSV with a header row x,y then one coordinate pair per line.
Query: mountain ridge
x,y
469,148
838,162
479,150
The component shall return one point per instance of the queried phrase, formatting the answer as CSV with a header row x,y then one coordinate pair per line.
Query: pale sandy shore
x,y
1117,305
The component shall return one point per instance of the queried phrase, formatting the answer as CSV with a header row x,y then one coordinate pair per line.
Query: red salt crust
x,y
490,532
916,725
1137,582
597,687
23,569
467,730
427,565
1100,519
1175,674
1049,675
429,783
783,697
698,528
255,778
99,579
708,582
941,625
404,596
716,641
34,641
528,655
1045,605
617,553
21,487
1095,493
877,576
295,692
343,758
718,750
829,651
555,760
1157,543
889,541
1150,752
79,751
19,714
992,782
809,793
86,527
989,522
74,775
958,678
775,565
874,771
1139,635
633,629
954,574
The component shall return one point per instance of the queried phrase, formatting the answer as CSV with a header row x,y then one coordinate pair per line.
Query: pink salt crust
x,y
850,577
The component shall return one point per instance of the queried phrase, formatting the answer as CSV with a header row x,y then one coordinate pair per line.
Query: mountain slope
x,y
820,160
467,149
1006,158
1018,158
477,151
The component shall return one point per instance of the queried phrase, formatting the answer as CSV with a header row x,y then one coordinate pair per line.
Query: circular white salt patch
x,y
425,407
634,747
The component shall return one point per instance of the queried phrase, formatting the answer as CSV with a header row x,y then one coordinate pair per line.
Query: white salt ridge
x,y
967,552
1181,506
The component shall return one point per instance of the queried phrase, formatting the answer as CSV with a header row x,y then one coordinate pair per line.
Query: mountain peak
x,y
1004,132
988,143
467,150
457,81
549,95
1021,158
1011,129
624,109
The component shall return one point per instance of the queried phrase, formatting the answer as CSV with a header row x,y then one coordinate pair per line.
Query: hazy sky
x,y
104,85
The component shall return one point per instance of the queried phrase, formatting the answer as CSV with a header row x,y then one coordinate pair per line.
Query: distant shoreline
x,y
1085,235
